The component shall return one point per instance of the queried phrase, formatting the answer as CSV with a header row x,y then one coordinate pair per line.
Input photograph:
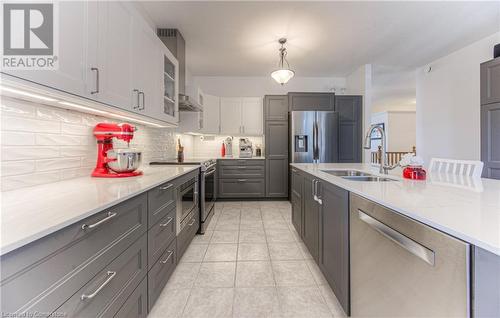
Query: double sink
x,y
356,175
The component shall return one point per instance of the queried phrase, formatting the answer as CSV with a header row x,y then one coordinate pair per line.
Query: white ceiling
x,y
325,38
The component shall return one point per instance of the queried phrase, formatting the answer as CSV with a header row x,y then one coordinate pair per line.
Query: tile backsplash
x,y
210,146
43,144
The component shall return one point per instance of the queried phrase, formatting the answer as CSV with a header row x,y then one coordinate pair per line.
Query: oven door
x,y
209,192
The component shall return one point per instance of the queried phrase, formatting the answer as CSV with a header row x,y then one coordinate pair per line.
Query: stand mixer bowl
x,y
127,160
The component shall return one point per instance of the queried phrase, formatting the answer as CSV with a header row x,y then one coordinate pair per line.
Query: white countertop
x,y
468,208
31,213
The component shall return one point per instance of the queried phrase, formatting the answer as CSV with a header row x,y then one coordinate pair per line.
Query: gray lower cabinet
x,y
490,140
184,238
296,199
241,178
310,217
486,283
160,273
311,101
276,159
350,109
161,200
490,82
160,236
106,292
136,305
44,274
334,240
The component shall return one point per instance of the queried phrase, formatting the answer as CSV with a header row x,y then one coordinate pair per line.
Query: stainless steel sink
x,y
367,178
343,173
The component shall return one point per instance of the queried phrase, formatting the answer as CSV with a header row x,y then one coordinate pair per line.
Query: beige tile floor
x,y
250,263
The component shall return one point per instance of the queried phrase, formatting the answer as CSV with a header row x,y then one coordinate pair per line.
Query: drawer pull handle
x,y
166,223
402,240
111,275
168,257
242,180
166,187
91,226
192,222
242,167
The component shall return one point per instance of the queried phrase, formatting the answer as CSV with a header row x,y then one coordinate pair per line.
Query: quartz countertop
x,y
466,208
32,213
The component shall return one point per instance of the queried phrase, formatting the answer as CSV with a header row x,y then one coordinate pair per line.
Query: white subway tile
x,y
29,125
73,129
74,151
10,168
10,138
55,139
55,114
28,180
57,164
27,153
75,173
15,107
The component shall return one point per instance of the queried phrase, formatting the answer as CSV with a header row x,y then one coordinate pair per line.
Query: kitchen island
x,y
416,236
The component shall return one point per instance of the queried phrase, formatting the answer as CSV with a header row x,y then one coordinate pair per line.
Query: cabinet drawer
x,y
44,274
160,273
161,200
241,172
241,188
108,290
160,236
241,162
188,232
136,305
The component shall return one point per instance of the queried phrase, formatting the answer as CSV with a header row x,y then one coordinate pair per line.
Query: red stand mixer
x,y
115,163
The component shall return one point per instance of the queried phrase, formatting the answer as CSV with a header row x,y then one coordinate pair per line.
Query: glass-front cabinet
x,y
170,103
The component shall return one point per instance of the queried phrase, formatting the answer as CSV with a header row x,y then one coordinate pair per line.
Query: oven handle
x,y
210,172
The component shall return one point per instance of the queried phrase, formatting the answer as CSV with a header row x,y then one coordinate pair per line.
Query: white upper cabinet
x,y
211,114
252,116
74,19
241,115
111,74
230,115
169,73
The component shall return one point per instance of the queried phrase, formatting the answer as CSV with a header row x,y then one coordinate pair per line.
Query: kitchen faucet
x,y
384,167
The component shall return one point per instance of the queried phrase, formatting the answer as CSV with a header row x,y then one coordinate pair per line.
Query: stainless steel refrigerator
x,y
314,136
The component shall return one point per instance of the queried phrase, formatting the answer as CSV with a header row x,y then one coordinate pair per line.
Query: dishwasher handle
x,y
408,244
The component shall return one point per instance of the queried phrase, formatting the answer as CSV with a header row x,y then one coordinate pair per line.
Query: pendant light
x,y
283,74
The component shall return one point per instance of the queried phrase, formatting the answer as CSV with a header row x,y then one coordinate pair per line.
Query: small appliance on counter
x,y
228,142
258,151
246,149
115,163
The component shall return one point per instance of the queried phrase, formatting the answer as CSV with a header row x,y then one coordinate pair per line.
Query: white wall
x,y
448,100
359,82
260,86
393,89
43,144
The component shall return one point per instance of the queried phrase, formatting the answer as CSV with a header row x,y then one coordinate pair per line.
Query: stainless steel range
x,y
207,186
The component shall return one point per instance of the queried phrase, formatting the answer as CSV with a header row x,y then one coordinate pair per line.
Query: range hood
x,y
189,99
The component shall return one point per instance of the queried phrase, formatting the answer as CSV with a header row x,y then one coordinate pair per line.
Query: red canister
x,y
414,173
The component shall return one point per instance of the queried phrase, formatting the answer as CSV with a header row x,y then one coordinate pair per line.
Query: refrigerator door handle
x,y
315,141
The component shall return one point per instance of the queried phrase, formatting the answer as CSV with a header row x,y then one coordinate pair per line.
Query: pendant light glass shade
x,y
283,74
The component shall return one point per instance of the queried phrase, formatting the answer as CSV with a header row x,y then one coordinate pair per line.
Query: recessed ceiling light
x,y
83,107
23,93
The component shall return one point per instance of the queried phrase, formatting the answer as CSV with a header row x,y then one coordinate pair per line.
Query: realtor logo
x,y
29,36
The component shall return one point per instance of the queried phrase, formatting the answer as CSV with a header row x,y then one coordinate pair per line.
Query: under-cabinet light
x,y
23,93
83,107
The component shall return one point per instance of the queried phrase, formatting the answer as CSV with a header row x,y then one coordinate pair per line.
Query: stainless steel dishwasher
x,y
402,268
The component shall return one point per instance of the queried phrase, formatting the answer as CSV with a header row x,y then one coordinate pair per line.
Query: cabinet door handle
x,y
96,70
192,222
170,253
111,275
317,197
91,226
143,100
136,91
405,242
167,223
166,187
